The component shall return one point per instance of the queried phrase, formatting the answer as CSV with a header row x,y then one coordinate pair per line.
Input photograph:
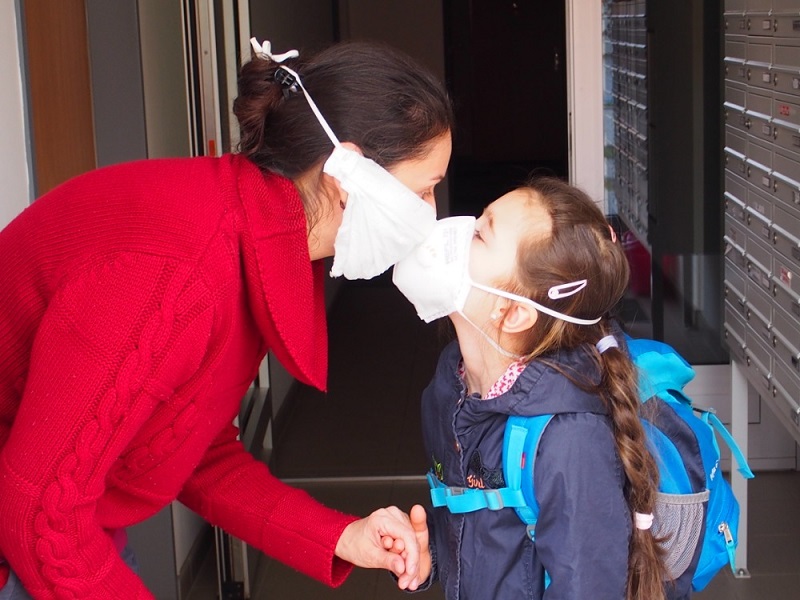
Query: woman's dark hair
x,y
580,245
370,94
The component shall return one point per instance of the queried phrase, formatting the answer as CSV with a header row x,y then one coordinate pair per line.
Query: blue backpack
x,y
696,512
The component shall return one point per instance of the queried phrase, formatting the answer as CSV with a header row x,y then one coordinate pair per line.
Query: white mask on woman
x,y
435,276
383,219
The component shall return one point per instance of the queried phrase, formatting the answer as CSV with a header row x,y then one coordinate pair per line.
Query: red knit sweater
x,y
136,303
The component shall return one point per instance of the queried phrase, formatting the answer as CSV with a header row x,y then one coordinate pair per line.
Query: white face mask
x,y
435,276
383,219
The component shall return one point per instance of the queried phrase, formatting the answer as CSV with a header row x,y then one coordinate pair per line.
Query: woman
x,y
138,301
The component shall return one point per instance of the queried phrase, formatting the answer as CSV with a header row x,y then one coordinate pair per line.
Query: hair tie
x,y
265,51
643,521
607,342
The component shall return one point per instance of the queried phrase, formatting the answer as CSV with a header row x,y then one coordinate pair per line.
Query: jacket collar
x,y
285,289
540,389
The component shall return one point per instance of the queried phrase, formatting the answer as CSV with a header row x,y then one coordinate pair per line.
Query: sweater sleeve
x,y
92,382
584,525
234,491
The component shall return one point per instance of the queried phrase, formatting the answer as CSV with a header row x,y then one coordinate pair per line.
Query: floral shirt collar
x,y
504,383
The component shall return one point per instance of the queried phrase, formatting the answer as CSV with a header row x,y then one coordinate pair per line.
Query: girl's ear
x,y
518,317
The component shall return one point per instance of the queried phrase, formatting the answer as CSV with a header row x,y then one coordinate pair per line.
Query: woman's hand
x,y
364,543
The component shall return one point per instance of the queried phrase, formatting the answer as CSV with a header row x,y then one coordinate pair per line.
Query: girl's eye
x,y
477,234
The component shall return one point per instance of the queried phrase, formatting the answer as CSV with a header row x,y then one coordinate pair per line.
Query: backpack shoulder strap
x,y
520,446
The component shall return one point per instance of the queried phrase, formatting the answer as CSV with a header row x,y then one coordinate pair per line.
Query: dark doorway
x,y
505,64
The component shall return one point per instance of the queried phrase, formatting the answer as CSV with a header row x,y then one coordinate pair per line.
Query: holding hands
x,y
387,539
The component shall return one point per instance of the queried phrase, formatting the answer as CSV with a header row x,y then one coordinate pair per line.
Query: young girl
x,y
528,288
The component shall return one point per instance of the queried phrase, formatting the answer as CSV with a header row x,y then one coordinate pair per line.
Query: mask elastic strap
x,y
490,341
536,305
313,106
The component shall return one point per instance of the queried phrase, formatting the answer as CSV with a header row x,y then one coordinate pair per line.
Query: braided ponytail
x,y
646,571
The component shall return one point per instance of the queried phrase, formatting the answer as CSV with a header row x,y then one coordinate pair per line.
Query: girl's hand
x,y
419,521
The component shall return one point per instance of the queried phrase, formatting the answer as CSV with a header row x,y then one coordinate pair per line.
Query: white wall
x,y
15,179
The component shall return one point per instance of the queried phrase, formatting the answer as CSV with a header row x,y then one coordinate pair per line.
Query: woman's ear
x,y
353,147
333,188
518,318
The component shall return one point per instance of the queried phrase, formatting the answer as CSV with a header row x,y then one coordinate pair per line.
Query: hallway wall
x,y
14,147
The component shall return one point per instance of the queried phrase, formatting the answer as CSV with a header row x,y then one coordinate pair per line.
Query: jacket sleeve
x,y
234,491
584,524
90,386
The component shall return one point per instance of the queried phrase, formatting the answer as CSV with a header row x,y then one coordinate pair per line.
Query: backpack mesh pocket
x,y
678,524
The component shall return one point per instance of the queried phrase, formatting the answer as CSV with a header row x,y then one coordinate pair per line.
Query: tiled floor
x,y
358,448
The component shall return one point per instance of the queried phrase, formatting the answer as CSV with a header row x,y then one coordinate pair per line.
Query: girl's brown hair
x,y
581,246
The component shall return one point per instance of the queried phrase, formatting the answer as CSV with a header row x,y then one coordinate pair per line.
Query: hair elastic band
x,y
607,342
264,51
643,521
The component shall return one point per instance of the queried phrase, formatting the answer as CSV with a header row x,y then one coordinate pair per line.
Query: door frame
x,y
585,96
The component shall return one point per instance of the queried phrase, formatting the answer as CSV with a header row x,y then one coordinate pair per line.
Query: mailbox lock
x,y
774,341
775,79
748,71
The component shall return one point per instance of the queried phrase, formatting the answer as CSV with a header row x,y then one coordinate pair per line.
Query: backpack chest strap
x,y
464,500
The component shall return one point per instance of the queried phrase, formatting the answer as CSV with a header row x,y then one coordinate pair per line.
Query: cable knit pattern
x,y
135,311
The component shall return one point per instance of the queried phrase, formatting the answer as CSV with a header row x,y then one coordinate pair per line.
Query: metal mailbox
x,y
759,263
735,286
758,175
785,297
758,312
788,25
786,235
736,141
735,161
735,337
786,340
760,151
758,359
786,184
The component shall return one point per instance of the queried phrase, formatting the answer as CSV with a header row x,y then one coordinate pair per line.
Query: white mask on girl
x,y
435,276
383,219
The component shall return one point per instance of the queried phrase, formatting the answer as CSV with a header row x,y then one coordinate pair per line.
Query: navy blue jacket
x,y
584,525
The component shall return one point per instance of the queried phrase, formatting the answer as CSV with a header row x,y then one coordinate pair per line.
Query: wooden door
x,y
60,102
